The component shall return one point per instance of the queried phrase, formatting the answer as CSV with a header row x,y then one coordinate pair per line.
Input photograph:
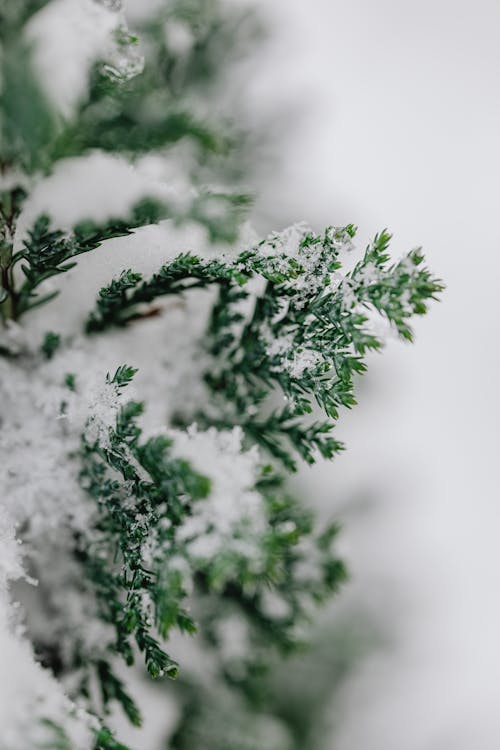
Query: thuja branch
x,y
48,252
306,335
160,529
119,303
169,529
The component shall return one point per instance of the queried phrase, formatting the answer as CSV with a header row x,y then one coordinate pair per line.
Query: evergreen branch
x,y
157,529
307,335
150,111
131,508
105,741
112,689
128,132
119,303
58,738
28,124
50,344
49,252
144,498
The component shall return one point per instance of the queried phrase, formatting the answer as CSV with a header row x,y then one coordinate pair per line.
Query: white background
x,y
393,119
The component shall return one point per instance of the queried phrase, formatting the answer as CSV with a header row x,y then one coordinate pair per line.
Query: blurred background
x,y
383,114
389,116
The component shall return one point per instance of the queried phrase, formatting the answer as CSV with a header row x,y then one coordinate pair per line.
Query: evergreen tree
x,y
162,371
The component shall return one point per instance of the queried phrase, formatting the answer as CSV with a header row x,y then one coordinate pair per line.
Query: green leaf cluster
x,y
288,333
306,336
48,252
139,112
143,495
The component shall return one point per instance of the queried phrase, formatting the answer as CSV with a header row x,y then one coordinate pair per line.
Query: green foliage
x,y
154,109
57,737
286,336
48,252
119,303
135,594
50,344
126,594
143,496
306,336
27,120
130,113
122,377
112,689
278,712
217,720
70,381
13,16
106,741
121,113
